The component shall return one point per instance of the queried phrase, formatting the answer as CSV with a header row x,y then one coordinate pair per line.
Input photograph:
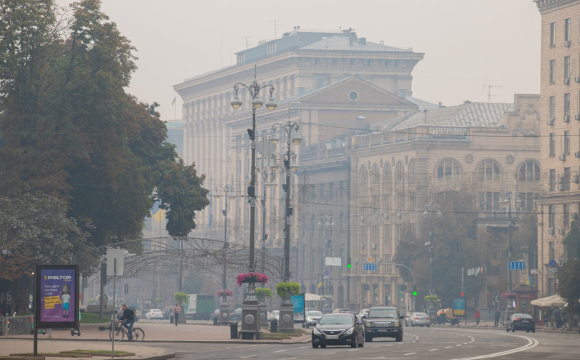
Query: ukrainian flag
x,y
174,99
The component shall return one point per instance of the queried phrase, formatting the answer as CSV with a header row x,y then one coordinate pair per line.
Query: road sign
x,y
534,272
115,268
371,259
560,262
333,261
517,265
370,267
326,272
553,270
552,263
265,148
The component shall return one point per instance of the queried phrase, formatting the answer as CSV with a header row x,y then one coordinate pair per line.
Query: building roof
x,y
422,103
465,115
344,43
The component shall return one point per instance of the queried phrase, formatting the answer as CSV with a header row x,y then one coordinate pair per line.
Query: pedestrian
x,y
127,320
477,316
497,315
176,311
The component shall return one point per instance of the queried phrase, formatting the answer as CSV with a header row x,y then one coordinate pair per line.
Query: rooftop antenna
x,y
489,87
247,43
275,23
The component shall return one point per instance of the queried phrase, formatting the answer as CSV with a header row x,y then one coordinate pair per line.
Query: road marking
x,y
465,343
433,349
279,351
329,353
410,354
448,347
354,350
458,345
245,357
532,343
304,347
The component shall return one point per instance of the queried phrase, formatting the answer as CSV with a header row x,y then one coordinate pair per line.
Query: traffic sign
x,y
560,262
370,259
370,267
553,270
326,272
517,265
552,263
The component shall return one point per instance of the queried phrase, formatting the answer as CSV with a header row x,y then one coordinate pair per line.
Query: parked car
x,y
520,321
384,321
338,329
154,314
362,315
341,311
312,318
418,319
168,314
269,318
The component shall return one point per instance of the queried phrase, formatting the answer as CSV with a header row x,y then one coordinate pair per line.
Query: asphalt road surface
x,y
418,343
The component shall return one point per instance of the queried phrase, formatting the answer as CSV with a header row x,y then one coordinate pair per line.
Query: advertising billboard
x,y
298,302
57,299
459,306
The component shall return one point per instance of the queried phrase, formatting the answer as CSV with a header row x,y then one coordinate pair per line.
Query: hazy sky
x,y
466,42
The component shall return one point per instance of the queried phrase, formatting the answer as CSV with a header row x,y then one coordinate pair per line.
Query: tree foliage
x,y
181,298
71,134
287,289
263,293
572,241
569,285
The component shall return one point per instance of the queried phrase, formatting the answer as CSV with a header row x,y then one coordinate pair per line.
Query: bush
x,y
263,293
287,289
180,297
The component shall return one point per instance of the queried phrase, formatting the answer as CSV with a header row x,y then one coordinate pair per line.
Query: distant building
x,y
560,111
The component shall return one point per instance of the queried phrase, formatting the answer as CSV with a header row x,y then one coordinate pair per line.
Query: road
x,y
418,343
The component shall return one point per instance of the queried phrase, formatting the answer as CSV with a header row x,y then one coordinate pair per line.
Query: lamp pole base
x,y
286,318
224,314
251,316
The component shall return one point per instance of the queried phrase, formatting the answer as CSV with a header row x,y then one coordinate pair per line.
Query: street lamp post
x,y
429,210
251,305
508,196
224,307
287,308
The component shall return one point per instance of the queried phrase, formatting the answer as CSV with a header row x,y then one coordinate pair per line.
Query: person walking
x,y
176,311
477,316
497,315
127,320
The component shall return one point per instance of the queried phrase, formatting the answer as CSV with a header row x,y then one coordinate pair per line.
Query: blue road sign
x,y
326,272
553,263
517,265
370,267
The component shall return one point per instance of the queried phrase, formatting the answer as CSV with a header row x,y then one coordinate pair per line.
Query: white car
x,y
312,318
154,314
275,314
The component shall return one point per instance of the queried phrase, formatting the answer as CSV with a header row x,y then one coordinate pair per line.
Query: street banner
x,y
459,306
298,302
57,300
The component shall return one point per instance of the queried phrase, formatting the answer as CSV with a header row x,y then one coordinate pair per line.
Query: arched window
x,y
387,177
312,225
448,170
363,188
399,173
411,171
375,188
530,171
488,170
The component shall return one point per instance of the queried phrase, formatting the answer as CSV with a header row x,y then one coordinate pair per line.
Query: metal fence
x,y
16,325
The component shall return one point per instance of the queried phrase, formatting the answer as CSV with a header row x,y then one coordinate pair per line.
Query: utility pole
x,y
224,307
509,195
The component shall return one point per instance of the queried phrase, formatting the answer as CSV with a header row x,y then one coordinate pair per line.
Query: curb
x,y
502,328
159,357
253,342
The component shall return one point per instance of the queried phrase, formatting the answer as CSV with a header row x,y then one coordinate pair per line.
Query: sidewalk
x,y
8,347
155,332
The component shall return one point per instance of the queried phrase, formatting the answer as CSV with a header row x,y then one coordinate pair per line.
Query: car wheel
x,y
314,346
368,338
428,325
353,345
513,329
412,325
323,346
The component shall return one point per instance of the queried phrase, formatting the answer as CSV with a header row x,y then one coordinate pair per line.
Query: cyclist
x,y
127,320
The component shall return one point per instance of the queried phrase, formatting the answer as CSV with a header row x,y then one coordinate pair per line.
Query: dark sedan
x,y
338,329
521,322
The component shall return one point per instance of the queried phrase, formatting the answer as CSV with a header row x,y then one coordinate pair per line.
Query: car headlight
x,y
308,319
348,332
316,331
396,324
369,324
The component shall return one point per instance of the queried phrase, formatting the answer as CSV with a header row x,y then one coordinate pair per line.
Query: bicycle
x,y
121,332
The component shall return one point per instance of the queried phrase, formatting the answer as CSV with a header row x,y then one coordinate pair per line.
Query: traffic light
x,y
348,265
462,294
414,290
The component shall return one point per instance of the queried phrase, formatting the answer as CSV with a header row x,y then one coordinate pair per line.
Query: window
x,y
369,62
552,144
567,104
312,226
331,189
567,67
552,107
321,186
386,63
567,29
552,71
489,201
566,221
552,250
411,171
551,218
351,62
448,170
567,142
527,200
566,178
399,173
530,171
488,170
552,180
303,260
553,34
403,93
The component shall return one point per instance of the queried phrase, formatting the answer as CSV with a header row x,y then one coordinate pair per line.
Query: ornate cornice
x,y
546,5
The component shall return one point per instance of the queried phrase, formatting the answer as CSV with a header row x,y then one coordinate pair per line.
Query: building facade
x,y
560,149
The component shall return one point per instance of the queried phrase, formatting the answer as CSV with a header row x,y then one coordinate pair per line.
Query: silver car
x,y
419,319
312,318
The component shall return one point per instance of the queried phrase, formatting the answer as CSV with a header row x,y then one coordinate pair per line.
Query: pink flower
x,y
251,277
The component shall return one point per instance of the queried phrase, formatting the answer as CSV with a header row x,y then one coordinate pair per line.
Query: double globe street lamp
x,y
251,305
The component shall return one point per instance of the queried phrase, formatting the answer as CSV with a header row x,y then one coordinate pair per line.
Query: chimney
x,y
467,102
352,37
362,41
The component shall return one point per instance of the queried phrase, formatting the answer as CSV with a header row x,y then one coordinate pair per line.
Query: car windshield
x,y
383,313
314,313
155,310
336,320
521,316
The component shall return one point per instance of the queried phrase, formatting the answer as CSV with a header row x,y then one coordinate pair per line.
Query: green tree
x,y
569,285
263,293
572,241
181,298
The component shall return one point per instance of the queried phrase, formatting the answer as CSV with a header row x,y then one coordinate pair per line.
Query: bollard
x,y
274,326
215,320
234,329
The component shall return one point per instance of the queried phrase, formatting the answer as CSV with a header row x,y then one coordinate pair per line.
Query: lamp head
x,y
426,213
274,140
439,213
297,139
294,167
271,104
257,102
236,103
